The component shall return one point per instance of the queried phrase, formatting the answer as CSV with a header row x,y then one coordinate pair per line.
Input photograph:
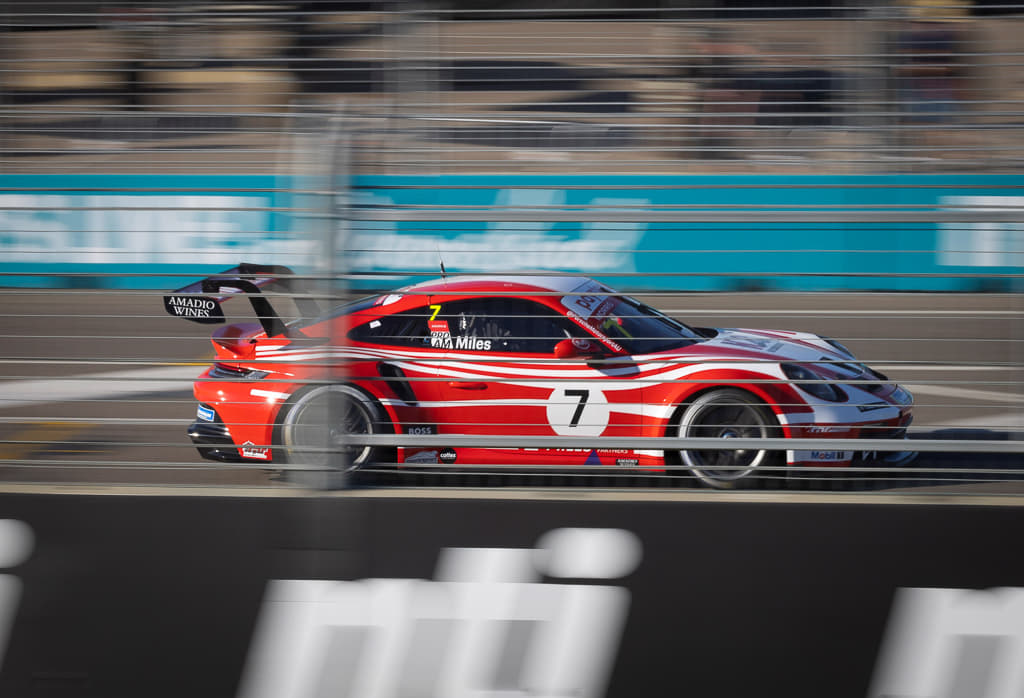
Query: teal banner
x,y
160,231
138,231
706,256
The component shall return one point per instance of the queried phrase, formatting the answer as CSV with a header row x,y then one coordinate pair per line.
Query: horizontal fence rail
x,y
695,443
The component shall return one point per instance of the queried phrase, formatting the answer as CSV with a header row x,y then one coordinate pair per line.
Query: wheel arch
x,y
388,423
739,472
681,401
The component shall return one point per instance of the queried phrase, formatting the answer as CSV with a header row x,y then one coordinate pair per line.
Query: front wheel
x,y
726,414
315,435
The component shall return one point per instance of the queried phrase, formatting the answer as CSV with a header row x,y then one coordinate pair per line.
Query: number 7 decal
x,y
583,395
578,411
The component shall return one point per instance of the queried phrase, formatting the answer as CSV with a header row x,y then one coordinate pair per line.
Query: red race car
x,y
519,356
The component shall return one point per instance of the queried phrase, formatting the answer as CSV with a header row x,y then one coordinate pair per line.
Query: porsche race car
x,y
519,356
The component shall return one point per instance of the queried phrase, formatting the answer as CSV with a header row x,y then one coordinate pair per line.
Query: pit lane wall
x,y
144,231
123,595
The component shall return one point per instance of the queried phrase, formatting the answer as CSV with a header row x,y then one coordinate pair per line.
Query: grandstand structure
x,y
177,87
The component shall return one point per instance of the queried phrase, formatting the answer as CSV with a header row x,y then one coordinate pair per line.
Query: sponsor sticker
x,y
819,429
822,456
440,335
751,343
448,455
249,450
197,308
206,413
831,455
429,457
590,299
583,322
421,429
628,462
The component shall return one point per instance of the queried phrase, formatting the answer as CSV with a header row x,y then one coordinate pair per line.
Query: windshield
x,y
637,328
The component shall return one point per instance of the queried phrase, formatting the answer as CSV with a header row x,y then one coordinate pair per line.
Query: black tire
x,y
313,435
727,413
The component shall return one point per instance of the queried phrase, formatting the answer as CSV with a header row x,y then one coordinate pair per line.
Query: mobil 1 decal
x,y
578,410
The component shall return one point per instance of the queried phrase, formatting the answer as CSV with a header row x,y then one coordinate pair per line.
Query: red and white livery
x,y
521,356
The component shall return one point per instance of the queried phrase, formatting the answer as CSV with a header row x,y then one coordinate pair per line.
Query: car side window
x,y
406,329
506,325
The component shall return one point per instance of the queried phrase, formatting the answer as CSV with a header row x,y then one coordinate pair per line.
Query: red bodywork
x,y
436,368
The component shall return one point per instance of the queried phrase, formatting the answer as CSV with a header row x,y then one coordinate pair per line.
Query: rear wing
x,y
200,301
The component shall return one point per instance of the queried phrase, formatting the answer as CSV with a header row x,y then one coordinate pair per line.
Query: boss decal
x,y
421,429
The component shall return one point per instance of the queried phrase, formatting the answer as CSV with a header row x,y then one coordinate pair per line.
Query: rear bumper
x,y
213,441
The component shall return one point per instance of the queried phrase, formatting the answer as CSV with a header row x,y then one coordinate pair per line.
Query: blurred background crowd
x,y
674,86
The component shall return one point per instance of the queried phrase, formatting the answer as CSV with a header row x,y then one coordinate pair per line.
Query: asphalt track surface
x,y
95,386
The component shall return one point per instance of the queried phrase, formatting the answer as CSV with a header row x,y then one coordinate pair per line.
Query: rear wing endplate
x,y
200,301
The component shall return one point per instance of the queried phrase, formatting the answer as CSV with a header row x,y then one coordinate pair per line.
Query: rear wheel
x,y
727,414
316,430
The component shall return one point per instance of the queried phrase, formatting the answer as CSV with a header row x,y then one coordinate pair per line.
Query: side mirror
x,y
579,349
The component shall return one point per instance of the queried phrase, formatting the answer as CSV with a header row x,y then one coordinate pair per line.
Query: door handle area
x,y
467,385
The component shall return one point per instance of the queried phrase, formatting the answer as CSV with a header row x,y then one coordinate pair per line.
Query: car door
x,y
402,356
501,378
